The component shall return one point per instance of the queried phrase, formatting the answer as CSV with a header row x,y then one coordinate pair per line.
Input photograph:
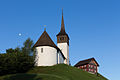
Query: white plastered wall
x,y
65,50
48,57
60,58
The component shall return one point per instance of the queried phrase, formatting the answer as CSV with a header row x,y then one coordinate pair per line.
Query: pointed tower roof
x,y
45,40
62,31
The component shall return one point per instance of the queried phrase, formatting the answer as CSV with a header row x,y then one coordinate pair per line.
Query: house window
x,y
95,67
89,65
41,50
84,65
92,70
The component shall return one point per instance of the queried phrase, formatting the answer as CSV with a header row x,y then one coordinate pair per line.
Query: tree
x,y
17,60
28,47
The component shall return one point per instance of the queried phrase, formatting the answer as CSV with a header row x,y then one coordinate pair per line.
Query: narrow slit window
x,y
41,50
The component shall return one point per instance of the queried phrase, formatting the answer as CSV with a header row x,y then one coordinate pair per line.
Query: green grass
x,y
57,72
31,77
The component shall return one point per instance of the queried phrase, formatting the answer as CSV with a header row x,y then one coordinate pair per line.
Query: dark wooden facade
x,y
89,65
62,39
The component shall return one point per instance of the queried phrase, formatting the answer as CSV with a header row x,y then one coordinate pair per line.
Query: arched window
x,y
41,50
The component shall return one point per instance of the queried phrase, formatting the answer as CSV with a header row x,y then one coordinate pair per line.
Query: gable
x,y
93,62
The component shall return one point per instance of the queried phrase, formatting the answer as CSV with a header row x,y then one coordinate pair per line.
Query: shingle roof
x,y
83,62
45,40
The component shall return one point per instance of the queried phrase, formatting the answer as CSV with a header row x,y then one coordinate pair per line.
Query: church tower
x,y
63,41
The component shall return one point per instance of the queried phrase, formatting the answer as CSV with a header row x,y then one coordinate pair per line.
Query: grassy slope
x,y
57,72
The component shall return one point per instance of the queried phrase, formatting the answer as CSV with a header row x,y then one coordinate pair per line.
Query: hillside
x,y
57,72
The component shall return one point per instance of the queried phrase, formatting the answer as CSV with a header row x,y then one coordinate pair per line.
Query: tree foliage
x,y
17,60
28,47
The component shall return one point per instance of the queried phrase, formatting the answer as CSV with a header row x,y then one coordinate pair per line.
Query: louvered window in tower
x,y
61,38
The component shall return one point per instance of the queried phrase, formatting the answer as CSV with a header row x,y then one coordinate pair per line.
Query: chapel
x,y
48,53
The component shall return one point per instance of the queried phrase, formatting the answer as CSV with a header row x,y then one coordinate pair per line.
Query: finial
x,y
44,27
62,11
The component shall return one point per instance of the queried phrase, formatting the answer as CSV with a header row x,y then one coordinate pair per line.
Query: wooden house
x,y
89,65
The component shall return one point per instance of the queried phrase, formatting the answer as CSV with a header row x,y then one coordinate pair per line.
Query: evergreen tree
x,y
17,60
28,47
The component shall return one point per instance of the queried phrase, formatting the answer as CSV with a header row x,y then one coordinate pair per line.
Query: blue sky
x,y
93,27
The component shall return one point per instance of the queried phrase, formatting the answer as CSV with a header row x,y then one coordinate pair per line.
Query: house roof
x,y
86,61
